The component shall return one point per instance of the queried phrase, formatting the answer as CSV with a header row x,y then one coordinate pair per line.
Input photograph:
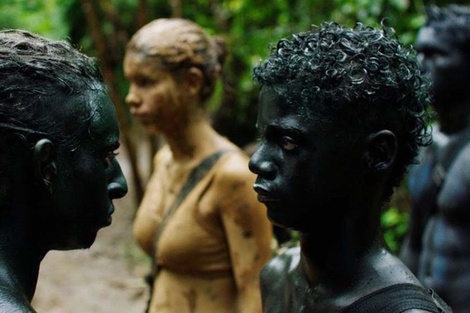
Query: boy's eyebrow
x,y
285,129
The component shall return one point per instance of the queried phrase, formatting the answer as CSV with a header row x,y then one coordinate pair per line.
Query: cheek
x,y
318,179
164,102
90,172
299,179
83,190
154,99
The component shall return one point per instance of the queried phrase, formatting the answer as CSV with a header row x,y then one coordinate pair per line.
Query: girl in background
x,y
210,243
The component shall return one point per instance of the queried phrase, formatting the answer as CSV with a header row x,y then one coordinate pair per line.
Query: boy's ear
x,y
45,158
381,151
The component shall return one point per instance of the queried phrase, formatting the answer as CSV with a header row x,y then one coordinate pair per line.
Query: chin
x,y
89,240
279,220
151,129
84,241
290,223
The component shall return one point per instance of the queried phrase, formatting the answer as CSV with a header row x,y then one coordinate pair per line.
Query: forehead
x,y
274,109
426,32
134,61
104,126
136,65
272,104
428,36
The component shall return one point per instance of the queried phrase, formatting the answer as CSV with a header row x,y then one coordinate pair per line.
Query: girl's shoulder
x,y
233,165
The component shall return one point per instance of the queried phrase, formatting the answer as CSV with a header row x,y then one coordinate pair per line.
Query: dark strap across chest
x,y
194,177
199,172
399,298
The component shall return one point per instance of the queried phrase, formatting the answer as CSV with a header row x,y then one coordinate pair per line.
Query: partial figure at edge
x,y
437,246
59,174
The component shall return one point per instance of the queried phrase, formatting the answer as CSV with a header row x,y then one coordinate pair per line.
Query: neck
x,y
194,141
334,256
19,265
21,251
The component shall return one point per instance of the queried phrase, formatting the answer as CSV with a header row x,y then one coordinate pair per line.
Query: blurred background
x,y
107,278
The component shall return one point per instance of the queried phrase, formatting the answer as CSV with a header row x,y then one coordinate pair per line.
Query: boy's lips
x,y
264,195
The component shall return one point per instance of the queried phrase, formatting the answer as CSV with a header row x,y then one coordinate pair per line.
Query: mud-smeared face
x,y
155,98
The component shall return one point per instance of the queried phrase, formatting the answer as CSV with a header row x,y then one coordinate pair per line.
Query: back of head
x,y
359,80
175,43
451,22
46,91
38,79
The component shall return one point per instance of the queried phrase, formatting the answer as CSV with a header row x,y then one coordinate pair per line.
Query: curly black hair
x,y
358,79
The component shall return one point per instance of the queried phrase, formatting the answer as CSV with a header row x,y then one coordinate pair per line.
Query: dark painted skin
x,y
314,180
437,248
58,201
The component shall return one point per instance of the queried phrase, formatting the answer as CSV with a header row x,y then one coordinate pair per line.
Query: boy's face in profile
x,y
87,180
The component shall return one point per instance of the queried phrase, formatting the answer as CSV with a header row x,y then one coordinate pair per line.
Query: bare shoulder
x,y
232,185
234,168
283,288
162,156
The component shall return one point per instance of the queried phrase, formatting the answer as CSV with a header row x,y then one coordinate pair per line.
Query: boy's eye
x,y
287,143
110,157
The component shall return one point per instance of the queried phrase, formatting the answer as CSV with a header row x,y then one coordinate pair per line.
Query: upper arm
x,y
248,231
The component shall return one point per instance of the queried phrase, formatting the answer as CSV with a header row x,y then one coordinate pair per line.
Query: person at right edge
x,y
437,245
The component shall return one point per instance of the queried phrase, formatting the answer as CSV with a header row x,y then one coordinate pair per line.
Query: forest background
x,y
101,28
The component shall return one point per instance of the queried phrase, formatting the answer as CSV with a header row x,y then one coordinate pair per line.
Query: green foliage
x,y
43,17
394,227
405,16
